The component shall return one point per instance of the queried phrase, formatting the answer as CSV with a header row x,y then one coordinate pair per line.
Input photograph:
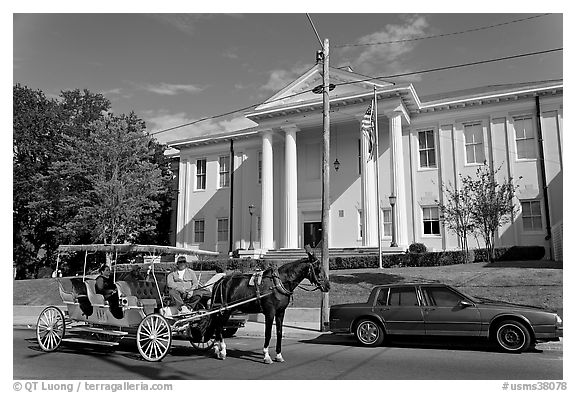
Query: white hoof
x,y
268,360
279,358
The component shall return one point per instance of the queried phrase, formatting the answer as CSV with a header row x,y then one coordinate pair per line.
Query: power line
x,y
361,81
455,66
441,35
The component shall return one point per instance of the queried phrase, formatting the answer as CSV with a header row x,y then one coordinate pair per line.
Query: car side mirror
x,y
465,303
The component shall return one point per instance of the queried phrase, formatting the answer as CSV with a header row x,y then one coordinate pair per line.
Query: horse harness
x,y
256,281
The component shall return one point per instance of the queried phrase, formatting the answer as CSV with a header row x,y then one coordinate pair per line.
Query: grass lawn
x,y
537,283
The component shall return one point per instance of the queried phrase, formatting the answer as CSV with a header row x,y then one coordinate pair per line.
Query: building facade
x,y
422,144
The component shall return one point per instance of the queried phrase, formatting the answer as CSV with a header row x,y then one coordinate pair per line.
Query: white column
x,y
290,189
181,223
267,207
398,184
369,202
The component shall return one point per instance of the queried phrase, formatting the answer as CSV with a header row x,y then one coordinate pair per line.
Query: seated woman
x,y
105,286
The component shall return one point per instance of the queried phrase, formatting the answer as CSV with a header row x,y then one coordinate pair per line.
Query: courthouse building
x,y
273,170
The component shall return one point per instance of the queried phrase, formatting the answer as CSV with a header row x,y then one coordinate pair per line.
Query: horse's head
x,y
316,273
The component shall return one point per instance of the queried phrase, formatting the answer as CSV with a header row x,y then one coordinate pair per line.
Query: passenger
x,y
181,284
105,286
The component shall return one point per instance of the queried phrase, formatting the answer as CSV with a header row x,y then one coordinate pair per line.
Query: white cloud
x,y
386,59
171,89
281,78
161,120
184,22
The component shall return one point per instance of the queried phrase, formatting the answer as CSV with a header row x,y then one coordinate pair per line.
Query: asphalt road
x,y
325,356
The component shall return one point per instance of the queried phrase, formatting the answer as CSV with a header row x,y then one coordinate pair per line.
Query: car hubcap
x,y
368,332
511,337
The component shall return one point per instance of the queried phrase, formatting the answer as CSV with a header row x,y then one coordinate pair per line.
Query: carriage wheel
x,y
50,328
153,337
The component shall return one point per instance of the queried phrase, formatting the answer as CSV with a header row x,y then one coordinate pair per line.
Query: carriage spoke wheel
x,y
153,337
50,328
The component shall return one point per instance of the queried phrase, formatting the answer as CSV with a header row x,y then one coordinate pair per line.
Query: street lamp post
x,y
251,211
392,199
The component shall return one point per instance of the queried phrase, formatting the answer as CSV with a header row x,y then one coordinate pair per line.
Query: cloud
x,y
186,23
386,58
230,53
161,120
171,89
281,78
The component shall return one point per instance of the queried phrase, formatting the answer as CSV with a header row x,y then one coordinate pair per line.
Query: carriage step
x,y
94,342
89,329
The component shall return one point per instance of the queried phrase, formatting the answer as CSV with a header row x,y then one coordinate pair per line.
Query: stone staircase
x,y
292,254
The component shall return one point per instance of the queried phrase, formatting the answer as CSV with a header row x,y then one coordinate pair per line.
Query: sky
x,y
172,69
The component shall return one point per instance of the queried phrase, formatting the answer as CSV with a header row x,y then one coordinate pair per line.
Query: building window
x,y
426,149
201,174
198,231
386,220
259,167
474,143
525,140
224,171
431,220
222,226
531,216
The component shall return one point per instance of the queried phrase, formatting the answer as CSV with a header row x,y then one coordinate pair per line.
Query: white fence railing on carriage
x,y
557,241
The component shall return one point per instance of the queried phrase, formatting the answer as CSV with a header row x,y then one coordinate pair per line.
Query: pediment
x,y
299,91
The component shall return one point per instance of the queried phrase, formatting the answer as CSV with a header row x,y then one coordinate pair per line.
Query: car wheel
x,y
369,333
513,336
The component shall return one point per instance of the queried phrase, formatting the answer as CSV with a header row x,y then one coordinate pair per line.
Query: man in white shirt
x,y
181,283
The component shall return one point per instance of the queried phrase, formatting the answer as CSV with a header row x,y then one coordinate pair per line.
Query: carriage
x,y
146,313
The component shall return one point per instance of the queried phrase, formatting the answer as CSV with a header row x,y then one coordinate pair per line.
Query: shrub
x,y
417,248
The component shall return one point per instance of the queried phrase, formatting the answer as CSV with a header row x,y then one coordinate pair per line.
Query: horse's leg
x,y
219,345
279,323
268,317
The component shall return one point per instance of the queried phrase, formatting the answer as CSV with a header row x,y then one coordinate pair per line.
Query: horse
x,y
270,293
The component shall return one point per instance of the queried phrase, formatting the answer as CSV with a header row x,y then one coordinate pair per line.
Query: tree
x,y
36,132
456,213
82,175
113,183
480,206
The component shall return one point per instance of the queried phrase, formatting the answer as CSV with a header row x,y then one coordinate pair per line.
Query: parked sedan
x,y
440,310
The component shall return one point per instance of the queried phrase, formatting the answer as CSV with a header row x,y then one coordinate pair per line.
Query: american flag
x,y
367,126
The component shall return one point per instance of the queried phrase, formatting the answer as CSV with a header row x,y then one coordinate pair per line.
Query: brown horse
x,y
270,296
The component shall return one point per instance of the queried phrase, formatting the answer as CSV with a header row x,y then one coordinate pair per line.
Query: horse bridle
x,y
312,277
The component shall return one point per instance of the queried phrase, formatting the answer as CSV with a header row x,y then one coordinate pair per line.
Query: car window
x,y
442,297
382,297
403,297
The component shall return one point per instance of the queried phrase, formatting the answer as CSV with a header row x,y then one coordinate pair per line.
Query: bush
x,y
514,253
417,248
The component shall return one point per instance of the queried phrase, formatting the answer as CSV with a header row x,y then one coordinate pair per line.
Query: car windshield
x,y
473,298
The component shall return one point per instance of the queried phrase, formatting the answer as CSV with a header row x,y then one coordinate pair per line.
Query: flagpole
x,y
375,105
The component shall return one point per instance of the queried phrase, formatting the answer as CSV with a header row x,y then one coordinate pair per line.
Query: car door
x,y
401,311
446,315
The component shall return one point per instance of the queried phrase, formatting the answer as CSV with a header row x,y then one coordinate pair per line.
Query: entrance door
x,y
312,233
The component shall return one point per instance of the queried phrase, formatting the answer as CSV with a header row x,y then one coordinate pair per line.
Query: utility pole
x,y
325,307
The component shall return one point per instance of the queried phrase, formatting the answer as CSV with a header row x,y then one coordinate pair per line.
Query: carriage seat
x,y
95,298
66,296
138,293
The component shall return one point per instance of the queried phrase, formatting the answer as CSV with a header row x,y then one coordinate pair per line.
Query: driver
x,y
181,284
